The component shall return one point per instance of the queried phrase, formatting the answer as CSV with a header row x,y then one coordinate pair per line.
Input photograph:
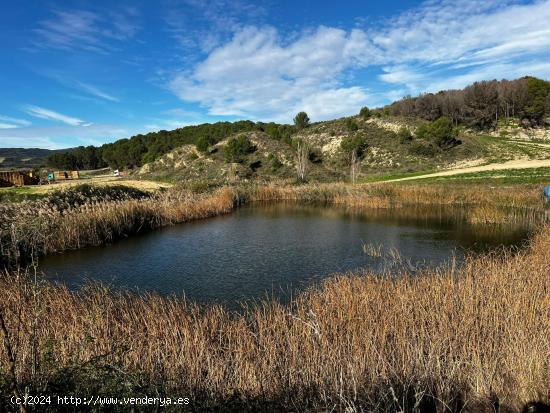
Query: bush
x,y
351,124
275,162
365,112
355,143
404,135
204,142
422,149
440,132
315,155
237,149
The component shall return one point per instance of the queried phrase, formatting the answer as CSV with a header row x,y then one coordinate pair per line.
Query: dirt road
x,y
515,164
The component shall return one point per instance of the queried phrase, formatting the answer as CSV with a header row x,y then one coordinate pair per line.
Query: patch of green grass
x,y
397,175
508,176
19,194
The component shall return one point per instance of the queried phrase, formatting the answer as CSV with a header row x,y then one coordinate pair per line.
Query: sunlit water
x,y
273,250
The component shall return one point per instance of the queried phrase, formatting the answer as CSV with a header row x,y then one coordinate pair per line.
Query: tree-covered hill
x,y
144,148
481,106
23,157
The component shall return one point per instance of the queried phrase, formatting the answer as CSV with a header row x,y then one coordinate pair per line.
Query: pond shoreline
x,y
353,341
34,229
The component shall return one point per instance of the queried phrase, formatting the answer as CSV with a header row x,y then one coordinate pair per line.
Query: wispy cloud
x,y
263,73
95,91
62,136
217,20
7,122
48,114
68,81
71,30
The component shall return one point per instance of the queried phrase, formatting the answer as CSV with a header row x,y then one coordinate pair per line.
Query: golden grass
x,y
144,185
31,229
452,339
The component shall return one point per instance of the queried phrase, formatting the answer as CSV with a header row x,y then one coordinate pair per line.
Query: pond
x,y
274,250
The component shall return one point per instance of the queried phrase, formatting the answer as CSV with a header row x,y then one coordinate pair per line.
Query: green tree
x,y
538,91
354,144
204,142
237,148
440,132
301,120
365,113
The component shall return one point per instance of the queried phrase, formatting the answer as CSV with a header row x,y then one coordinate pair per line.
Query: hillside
x,y
23,158
384,148
485,122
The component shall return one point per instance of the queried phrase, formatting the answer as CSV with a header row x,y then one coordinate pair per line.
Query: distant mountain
x,y
11,158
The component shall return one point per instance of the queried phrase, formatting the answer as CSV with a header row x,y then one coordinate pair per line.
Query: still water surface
x,y
272,250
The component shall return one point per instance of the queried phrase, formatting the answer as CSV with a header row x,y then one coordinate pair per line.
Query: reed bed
x,y
78,218
471,339
31,229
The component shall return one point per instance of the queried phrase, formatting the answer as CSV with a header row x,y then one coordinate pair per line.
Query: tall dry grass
x,y
31,229
470,339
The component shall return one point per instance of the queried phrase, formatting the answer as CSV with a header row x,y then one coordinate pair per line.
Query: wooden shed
x,y
18,178
64,175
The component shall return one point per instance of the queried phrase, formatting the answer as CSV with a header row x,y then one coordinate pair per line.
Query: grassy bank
x,y
78,218
470,339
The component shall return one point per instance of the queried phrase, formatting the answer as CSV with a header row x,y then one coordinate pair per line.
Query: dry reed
x,y
31,229
451,339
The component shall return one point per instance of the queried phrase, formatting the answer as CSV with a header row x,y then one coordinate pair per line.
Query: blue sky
x,y
88,72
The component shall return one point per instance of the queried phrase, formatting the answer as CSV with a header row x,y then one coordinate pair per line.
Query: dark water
x,y
272,250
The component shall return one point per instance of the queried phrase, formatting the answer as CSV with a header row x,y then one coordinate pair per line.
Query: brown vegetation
x,y
475,338
30,229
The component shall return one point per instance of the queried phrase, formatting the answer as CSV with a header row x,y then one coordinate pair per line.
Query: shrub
x,y
237,149
365,112
355,143
315,155
404,135
275,162
440,132
422,149
351,124
204,142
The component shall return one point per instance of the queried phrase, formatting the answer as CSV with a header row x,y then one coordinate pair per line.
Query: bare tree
x,y
302,161
355,165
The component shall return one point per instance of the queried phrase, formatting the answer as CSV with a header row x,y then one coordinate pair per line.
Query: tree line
x,y
143,148
482,104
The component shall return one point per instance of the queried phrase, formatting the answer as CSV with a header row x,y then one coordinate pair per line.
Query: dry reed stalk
x,y
451,338
32,229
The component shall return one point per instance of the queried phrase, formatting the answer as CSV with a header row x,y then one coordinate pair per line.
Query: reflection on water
x,y
273,250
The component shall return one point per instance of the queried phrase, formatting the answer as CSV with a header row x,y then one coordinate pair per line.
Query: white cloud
x,y
217,19
62,136
261,74
31,142
95,91
10,122
257,75
70,30
43,113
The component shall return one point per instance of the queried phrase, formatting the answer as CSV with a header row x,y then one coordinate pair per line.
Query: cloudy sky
x,y
87,72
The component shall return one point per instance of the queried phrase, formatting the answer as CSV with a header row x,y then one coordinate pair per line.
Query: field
x,y
39,191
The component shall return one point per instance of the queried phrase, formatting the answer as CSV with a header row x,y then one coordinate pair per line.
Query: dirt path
x,y
515,164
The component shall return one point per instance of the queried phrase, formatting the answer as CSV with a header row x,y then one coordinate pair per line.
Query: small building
x,y
63,175
18,178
